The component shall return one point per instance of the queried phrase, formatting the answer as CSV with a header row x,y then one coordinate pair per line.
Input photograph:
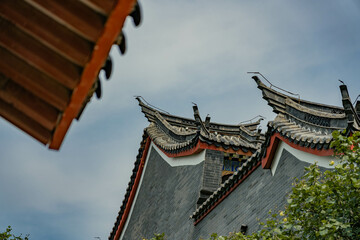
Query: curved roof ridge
x,y
276,100
178,121
292,103
175,130
173,133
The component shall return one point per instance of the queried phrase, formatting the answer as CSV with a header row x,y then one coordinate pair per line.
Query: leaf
x,y
323,232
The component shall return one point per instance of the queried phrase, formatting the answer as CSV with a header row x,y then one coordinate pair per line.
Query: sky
x,y
183,52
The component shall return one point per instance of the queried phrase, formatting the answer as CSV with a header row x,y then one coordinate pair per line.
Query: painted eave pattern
x,y
175,134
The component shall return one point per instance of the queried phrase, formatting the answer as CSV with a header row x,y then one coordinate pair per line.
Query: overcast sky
x,y
184,51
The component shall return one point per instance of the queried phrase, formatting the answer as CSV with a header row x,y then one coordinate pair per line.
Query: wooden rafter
x,y
38,55
34,80
51,53
73,14
30,20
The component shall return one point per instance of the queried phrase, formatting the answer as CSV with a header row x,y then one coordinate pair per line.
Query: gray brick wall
x,y
168,197
211,175
252,199
212,170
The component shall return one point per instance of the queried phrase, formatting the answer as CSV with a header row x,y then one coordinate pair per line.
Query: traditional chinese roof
x,y
51,53
174,134
306,123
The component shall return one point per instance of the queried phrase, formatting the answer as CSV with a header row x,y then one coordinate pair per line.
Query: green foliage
x,y
321,205
8,236
158,237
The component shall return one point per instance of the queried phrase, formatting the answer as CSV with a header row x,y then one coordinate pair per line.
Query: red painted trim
x,y
188,152
133,191
226,194
274,141
229,150
202,146
111,31
270,152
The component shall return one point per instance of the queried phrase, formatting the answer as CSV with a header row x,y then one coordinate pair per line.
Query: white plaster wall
x,y
193,159
322,161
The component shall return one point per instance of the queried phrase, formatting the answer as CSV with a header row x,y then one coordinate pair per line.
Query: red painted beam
x,y
111,31
202,146
274,141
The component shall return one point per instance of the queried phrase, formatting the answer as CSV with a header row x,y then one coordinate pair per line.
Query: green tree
x,y
7,235
321,205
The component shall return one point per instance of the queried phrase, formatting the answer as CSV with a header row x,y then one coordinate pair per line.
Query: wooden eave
x,y
51,53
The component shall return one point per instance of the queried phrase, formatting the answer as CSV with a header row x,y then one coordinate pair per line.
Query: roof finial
x,y
149,105
341,82
272,85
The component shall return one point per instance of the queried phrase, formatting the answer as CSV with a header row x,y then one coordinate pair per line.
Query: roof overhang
x,y
272,145
51,54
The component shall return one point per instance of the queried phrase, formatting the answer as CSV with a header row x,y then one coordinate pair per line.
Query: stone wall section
x,y
212,170
168,196
166,199
252,199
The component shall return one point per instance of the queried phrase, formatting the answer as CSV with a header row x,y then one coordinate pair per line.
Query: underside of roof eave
x,y
89,75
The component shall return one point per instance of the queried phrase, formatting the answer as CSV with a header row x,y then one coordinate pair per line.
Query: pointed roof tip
x,y
341,81
259,121
350,111
344,91
257,80
195,109
138,98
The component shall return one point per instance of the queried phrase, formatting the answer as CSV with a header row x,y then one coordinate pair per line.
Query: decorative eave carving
x,y
276,100
175,134
310,115
305,125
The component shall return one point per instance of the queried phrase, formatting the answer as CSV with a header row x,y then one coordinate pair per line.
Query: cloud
x,y
185,51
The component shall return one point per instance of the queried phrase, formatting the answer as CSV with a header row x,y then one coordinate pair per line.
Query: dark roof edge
x,y
350,112
280,95
130,186
149,112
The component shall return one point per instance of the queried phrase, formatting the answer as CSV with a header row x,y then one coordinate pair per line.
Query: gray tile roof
x,y
175,134
305,123
316,120
301,135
